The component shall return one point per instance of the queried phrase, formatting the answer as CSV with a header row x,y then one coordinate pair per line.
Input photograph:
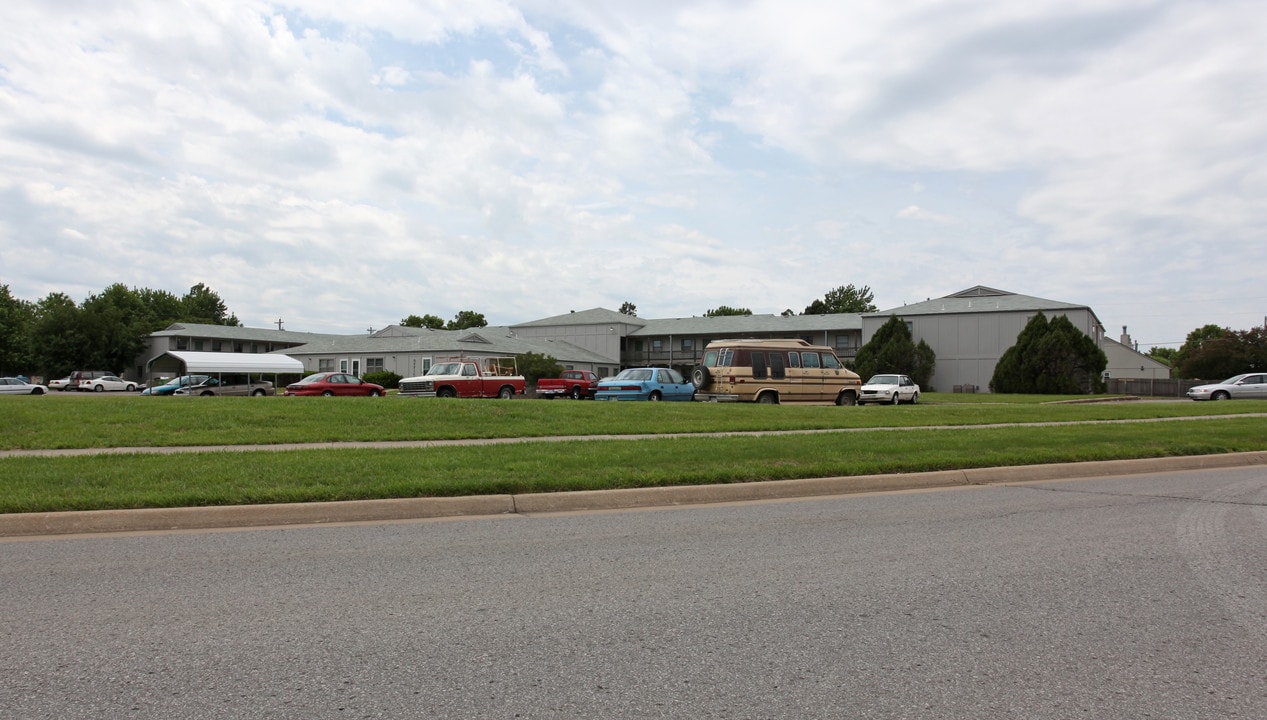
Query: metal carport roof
x,y
185,363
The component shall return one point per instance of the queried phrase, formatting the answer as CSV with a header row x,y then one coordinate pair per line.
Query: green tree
x,y
467,319
16,316
628,308
722,310
162,308
893,350
534,366
426,321
1164,355
844,299
1050,357
58,343
1214,353
116,323
202,305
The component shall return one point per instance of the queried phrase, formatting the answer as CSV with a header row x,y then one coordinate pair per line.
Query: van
x,y
80,376
773,371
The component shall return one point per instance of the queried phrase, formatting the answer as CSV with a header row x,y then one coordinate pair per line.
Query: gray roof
x,y
979,299
736,325
235,332
498,340
593,316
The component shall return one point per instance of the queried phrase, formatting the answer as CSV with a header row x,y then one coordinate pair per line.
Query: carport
x,y
179,362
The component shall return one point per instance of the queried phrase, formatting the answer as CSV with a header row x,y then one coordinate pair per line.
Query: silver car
x,y
1247,385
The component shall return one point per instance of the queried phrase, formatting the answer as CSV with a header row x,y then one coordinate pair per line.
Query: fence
x,y
1152,387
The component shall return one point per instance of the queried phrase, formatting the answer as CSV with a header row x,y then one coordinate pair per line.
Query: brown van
x,y
773,371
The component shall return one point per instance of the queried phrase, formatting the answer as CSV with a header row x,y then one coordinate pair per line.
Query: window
x,y
688,344
198,346
657,345
237,347
809,359
637,346
758,366
325,365
776,366
182,343
373,365
216,346
830,362
844,342
794,359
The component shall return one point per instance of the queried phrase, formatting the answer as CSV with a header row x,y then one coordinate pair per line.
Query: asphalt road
x,y
1129,597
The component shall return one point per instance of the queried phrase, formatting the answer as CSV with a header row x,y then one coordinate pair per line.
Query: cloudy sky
x,y
341,164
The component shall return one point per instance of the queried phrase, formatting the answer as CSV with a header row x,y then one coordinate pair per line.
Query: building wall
x,y
601,339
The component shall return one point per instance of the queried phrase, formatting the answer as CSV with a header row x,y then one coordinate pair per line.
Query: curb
x,y
316,513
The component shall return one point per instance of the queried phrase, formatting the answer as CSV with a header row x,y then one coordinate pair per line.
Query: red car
x,y
334,383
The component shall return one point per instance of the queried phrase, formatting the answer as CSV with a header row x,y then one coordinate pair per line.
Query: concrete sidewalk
x,y
29,525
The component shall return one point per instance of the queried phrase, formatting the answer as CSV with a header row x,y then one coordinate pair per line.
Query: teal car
x,y
171,386
653,384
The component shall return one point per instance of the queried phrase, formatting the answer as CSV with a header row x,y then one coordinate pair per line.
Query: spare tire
x,y
700,376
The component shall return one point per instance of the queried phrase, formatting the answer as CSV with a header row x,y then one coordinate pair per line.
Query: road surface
x,y
1130,597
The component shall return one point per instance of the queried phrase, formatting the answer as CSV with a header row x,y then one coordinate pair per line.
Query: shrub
x,y
387,379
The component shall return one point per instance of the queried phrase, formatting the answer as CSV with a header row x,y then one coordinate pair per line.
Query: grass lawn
x,y
42,484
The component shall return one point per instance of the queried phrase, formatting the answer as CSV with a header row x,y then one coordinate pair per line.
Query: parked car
x,y
171,386
16,386
105,383
653,383
334,383
576,384
1247,385
891,389
60,384
78,377
239,384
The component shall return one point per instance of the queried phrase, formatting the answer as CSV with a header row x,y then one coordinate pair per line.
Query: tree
x,y
202,305
534,366
467,319
58,343
844,299
722,310
15,326
116,324
1214,353
893,350
1164,355
426,321
628,308
1050,358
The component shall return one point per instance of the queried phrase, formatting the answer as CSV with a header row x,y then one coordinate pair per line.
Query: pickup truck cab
x,y
576,384
467,378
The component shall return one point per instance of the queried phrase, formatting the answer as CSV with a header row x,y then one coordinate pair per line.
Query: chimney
x,y
1126,339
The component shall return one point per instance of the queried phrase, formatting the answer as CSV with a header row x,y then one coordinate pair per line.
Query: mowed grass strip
x,y
29,484
61,422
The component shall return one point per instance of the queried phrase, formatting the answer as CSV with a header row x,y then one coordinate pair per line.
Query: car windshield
x,y
637,374
1232,380
445,369
312,379
883,380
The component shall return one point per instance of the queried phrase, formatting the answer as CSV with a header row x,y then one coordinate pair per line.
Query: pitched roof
x,y
235,332
593,316
733,325
979,299
492,340
218,362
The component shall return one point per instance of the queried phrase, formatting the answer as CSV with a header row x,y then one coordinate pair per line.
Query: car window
x,y
710,358
676,377
809,359
794,359
830,361
758,366
468,370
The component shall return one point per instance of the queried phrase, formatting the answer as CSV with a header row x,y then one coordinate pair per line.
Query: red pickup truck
x,y
575,384
468,378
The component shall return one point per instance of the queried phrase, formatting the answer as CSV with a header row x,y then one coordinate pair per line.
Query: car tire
x,y
37,391
915,399
375,393
99,388
576,392
446,393
897,398
506,393
700,376
327,393
848,399
258,393
767,398
654,396
131,387
1221,395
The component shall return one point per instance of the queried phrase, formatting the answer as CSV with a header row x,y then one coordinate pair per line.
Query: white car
x,y
1249,385
61,384
891,389
15,386
108,382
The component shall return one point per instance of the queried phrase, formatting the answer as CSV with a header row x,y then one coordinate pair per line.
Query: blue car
x,y
654,384
171,386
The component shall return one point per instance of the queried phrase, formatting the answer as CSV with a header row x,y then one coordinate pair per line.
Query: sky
x,y
342,165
